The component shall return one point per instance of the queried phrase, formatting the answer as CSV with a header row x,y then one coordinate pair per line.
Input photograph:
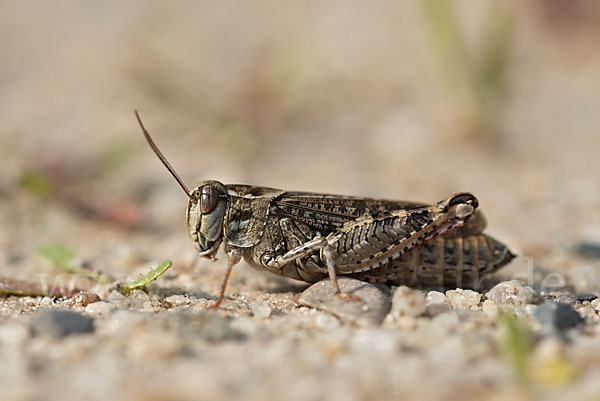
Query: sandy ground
x,y
332,97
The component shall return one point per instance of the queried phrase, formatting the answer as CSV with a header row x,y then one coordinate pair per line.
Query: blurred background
x,y
411,101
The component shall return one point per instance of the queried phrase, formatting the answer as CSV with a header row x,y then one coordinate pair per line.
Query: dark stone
x,y
557,316
61,323
586,278
586,296
207,325
565,298
588,249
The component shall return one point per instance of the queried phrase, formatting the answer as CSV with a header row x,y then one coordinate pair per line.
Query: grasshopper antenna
x,y
162,157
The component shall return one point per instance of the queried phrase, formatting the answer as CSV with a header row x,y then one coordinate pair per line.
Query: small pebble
x,y
13,334
407,323
46,302
214,328
139,295
260,308
165,304
121,322
595,304
562,297
99,308
435,297
246,327
125,302
463,299
588,249
176,300
437,303
586,296
372,340
84,298
588,313
512,292
436,309
555,316
61,323
208,325
549,348
371,309
490,308
586,278
525,311
408,302
326,321
447,321
116,296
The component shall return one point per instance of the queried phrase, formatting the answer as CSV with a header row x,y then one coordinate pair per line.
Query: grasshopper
x,y
310,236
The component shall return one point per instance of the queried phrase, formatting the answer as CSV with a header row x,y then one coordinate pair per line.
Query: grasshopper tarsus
x,y
348,297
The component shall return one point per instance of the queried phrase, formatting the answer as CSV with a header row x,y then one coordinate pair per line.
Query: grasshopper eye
x,y
208,199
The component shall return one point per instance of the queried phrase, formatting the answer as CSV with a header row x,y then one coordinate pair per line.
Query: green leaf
x,y
37,182
62,258
59,255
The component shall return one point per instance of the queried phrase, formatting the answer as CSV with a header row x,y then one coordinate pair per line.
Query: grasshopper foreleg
x,y
234,256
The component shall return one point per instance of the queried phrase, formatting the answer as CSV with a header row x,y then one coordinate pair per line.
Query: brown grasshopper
x,y
308,236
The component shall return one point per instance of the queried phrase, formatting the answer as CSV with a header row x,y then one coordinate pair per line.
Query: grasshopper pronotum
x,y
309,236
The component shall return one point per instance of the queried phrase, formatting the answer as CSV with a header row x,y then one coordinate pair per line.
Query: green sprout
x,y
517,344
37,183
148,278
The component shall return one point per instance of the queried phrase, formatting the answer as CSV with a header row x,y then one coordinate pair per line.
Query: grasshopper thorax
x,y
206,207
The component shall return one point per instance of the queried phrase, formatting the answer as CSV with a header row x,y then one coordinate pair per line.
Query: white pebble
x,y
326,321
512,292
177,300
13,335
435,297
437,303
99,308
408,302
463,299
46,302
589,313
490,309
260,309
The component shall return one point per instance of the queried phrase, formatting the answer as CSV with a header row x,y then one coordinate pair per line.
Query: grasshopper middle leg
x,y
304,250
234,256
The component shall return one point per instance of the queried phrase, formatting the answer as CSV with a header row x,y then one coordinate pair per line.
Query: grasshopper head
x,y
206,205
205,212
